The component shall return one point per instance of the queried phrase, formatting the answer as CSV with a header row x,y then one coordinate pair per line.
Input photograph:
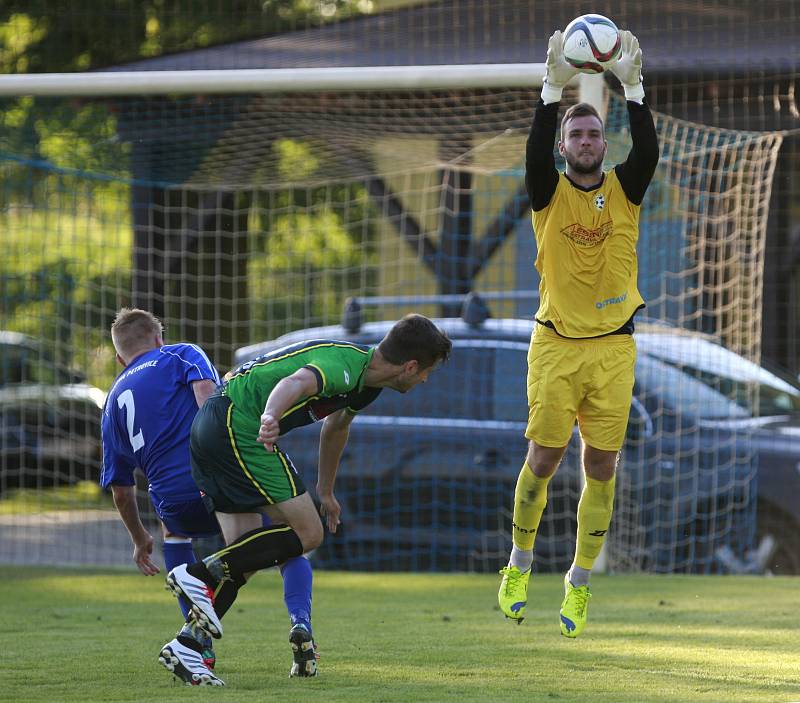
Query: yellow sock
x,y
530,498
594,517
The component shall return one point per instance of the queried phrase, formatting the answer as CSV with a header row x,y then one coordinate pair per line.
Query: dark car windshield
x,y
750,386
772,398
22,364
480,381
758,391
678,390
486,381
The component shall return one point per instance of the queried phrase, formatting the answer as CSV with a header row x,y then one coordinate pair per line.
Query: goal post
x,y
241,205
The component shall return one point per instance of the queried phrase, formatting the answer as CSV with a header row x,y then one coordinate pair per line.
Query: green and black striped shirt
x,y
338,366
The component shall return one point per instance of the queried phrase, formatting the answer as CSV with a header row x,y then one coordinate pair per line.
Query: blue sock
x,y
177,552
297,579
297,582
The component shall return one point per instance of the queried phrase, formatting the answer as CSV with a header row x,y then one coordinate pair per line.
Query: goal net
x,y
240,218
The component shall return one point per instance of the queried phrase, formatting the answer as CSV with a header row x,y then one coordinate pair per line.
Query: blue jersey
x,y
147,418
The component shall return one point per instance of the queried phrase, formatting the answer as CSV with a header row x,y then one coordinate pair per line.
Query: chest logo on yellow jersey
x,y
599,201
586,236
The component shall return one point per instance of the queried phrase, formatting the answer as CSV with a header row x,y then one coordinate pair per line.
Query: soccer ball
x,y
592,43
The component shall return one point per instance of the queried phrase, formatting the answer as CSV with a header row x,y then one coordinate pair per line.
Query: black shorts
x,y
234,471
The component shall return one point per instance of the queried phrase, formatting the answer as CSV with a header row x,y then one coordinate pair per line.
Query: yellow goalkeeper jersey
x,y
586,243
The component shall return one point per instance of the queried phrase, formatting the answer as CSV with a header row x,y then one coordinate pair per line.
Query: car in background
x,y
427,478
49,418
751,415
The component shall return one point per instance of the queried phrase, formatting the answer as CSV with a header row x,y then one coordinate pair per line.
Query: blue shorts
x,y
187,518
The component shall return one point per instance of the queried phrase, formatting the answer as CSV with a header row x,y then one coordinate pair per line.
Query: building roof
x,y
677,36
694,57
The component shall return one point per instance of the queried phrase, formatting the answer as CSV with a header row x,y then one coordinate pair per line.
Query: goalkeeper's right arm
x,y
541,177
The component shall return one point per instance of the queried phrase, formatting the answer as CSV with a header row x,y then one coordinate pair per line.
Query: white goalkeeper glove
x,y
629,67
559,71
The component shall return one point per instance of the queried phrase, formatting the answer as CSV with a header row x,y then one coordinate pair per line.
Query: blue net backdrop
x,y
242,218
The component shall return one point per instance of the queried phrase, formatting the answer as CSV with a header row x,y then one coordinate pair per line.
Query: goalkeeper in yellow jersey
x,y
582,354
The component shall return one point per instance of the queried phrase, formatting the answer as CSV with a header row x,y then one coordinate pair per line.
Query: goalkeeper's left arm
x,y
637,171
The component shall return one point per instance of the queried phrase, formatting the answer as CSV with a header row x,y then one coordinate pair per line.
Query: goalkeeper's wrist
x,y
551,93
634,92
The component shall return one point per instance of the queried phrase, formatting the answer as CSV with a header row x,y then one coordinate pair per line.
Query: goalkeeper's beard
x,y
583,168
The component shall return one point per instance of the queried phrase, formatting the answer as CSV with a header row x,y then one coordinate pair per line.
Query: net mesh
x,y
241,218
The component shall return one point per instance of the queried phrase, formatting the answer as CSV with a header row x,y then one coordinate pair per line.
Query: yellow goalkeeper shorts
x,y
590,380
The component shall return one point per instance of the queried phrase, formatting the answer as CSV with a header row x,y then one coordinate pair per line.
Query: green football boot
x,y
513,593
573,609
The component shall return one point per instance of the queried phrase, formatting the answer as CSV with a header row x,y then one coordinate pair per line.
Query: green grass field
x,y
91,635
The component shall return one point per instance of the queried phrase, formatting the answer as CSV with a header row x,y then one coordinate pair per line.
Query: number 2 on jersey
x,y
126,399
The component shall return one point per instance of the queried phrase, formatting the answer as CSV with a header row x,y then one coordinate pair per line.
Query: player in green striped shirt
x,y
243,473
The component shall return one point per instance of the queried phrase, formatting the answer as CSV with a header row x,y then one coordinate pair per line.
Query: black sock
x,y
192,637
225,589
190,642
200,571
224,597
258,549
255,550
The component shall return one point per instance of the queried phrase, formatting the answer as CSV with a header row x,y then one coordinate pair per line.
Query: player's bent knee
x,y
311,536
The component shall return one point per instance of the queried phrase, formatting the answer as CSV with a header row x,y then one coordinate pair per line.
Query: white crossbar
x,y
277,80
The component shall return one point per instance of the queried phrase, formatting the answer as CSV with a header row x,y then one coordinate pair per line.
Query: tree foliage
x,y
62,36
79,35
67,166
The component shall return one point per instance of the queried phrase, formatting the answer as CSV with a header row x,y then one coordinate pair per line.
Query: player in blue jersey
x,y
146,423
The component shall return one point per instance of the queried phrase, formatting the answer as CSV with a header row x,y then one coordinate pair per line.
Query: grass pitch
x,y
91,635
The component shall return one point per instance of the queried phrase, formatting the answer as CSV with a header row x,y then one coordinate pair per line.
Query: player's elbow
x,y
122,495
203,390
